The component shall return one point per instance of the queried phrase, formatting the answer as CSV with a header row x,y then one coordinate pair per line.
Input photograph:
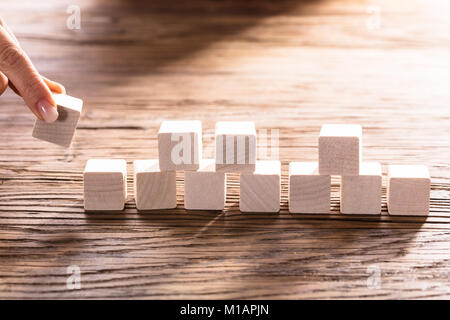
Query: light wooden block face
x,y
408,190
309,192
362,194
62,130
205,189
180,145
340,149
235,146
260,190
153,188
105,185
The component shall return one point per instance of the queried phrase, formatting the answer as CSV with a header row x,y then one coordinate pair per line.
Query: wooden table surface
x,y
287,65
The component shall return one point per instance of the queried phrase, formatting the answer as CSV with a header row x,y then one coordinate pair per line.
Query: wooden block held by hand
x,y
62,130
205,189
309,192
153,188
235,146
180,145
105,185
408,190
340,149
260,190
362,194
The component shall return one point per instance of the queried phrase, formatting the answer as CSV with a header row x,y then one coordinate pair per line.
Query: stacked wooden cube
x,y
180,149
340,153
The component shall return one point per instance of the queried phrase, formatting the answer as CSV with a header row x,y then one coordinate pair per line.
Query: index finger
x,y
16,65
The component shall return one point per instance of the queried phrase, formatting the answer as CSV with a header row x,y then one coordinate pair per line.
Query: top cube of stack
x,y
340,149
235,146
180,145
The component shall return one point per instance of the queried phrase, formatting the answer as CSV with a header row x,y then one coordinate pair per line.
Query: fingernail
x,y
47,111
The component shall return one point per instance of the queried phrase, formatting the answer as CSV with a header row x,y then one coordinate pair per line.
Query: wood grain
x,y
286,65
153,188
260,191
408,190
205,189
180,145
309,192
235,146
362,194
105,185
340,150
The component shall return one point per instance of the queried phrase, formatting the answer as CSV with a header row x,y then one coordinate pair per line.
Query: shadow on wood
x,y
153,34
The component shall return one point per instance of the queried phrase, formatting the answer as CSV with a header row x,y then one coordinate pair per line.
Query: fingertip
x,y
57,88
47,110
54,87
62,88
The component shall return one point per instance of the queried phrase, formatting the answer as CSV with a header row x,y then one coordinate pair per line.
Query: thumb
x,y
16,65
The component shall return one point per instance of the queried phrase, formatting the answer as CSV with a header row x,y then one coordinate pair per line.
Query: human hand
x,y
17,72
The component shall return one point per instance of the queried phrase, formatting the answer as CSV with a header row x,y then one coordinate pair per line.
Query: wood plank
x,y
287,65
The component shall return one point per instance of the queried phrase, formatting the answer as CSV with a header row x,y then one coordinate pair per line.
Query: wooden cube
x,y
105,185
309,192
340,149
180,145
62,130
362,194
235,146
153,188
260,190
205,189
408,190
